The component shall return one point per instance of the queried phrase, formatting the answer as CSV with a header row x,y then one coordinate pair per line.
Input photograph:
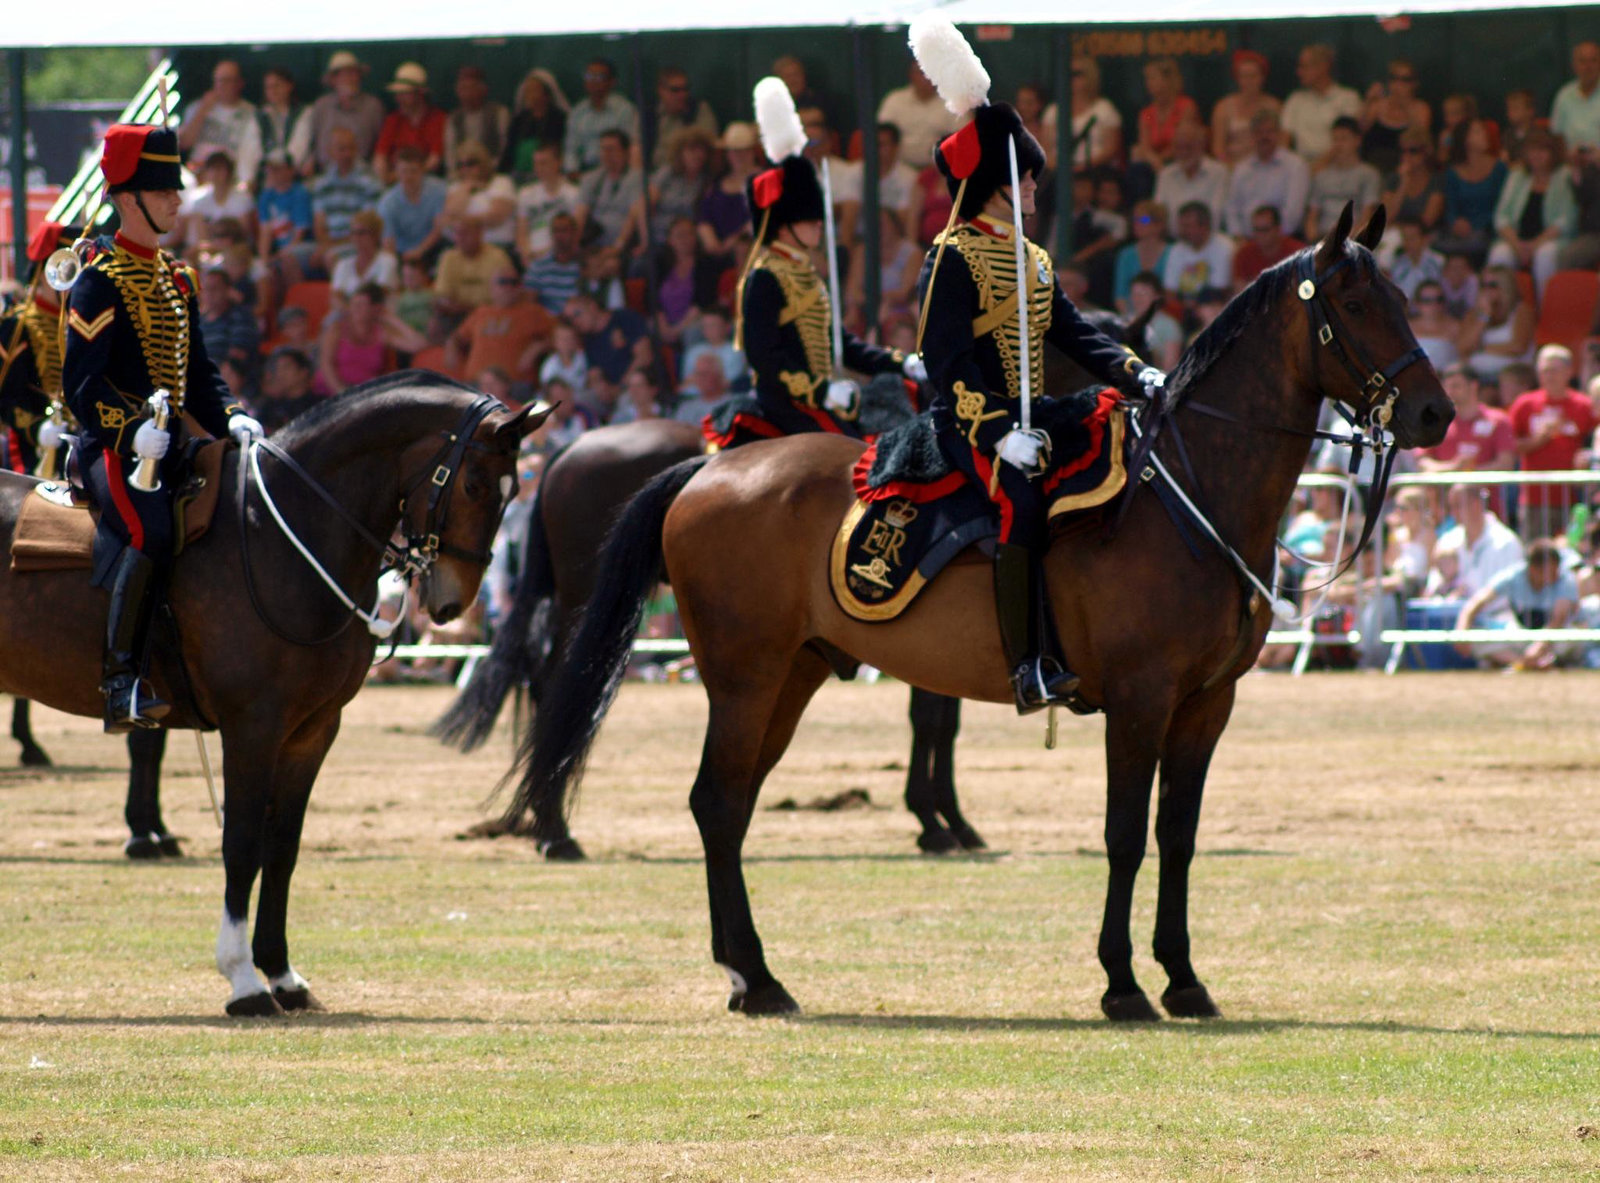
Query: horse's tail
x,y
517,656
586,678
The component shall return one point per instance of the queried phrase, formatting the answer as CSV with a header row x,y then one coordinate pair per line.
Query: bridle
x,y
423,546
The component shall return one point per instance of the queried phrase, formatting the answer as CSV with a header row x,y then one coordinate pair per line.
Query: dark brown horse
x,y
1158,632
270,654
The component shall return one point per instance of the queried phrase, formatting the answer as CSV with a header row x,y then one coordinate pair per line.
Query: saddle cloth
x,y
55,528
914,512
737,419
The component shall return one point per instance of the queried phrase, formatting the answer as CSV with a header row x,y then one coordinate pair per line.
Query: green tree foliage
x,y
68,75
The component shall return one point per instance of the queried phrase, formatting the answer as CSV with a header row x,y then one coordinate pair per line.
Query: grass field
x,y
1395,905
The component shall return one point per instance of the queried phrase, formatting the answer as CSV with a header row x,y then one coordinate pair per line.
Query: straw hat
x,y
409,76
343,60
739,135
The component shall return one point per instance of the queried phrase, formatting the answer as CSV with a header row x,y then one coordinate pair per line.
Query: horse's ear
x,y
1332,248
1371,234
525,422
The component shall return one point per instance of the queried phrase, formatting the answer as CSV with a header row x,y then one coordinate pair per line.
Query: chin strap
x,y
138,200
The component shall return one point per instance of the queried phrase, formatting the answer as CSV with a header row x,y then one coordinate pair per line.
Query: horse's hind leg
x,y
147,833
33,756
1191,739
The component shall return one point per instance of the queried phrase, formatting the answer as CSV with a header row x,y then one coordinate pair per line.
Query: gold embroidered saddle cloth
x,y
914,512
55,528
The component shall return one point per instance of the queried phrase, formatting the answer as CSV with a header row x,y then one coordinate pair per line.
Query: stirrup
x,y
1041,682
130,704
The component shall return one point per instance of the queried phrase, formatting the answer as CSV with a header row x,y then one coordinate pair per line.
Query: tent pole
x,y
1064,146
867,222
19,165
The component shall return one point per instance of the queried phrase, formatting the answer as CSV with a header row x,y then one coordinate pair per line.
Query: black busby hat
x,y
977,154
788,192
139,157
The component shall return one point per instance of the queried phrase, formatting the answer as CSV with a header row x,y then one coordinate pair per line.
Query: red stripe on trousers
x,y
124,503
996,491
14,450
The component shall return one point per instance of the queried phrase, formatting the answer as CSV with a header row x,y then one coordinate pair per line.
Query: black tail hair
x,y
586,678
518,654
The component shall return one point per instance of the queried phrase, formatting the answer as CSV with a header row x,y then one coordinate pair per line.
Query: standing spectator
x,y
1164,335
343,108
507,333
725,214
1168,110
1487,546
919,116
479,192
1345,178
1309,114
1479,438
1192,175
897,187
1266,247
1096,124
1499,328
1415,263
555,276
540,120
343,190
1271,175
282,120
1471,191
361,345
1537,212
1231,141
1575,113
1390,111
540,200
1415,192
222,120
1435,329
1537,594
1147,251
602,112
476,120
608,195
1551,424
679,186
226,325
467,271
1200,258
221,196
367,264
677,109
283,210
414,123
410,209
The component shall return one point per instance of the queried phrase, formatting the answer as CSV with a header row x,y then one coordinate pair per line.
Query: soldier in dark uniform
x,y
784,315
973,356
30,361
133,328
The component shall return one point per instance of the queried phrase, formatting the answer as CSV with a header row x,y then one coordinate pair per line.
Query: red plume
x,y
962,151
768,187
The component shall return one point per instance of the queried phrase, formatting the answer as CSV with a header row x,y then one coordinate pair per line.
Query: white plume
x,y
782,133
949,63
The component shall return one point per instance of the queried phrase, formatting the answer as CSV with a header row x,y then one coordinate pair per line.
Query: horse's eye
x,y
1353,307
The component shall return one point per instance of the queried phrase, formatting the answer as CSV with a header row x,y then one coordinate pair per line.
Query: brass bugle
x,y
49,467
63,267
147,473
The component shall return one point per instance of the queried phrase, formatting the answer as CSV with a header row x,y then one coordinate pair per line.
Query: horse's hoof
x,y
969,838
35,757
143,846
1191,1002
1129,1008
771,999
254,1006
299,999
562,850
938,841
169,846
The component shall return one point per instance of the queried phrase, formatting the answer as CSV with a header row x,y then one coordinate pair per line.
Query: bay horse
x,y
1156,619
269,652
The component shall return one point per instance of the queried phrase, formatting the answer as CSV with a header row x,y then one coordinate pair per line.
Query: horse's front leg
x,y
1192,737
249,766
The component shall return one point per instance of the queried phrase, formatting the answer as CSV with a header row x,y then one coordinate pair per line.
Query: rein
x,y
421,550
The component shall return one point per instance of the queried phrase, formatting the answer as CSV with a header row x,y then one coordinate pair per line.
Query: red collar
x,y
133,248
49,306
993,227
793,254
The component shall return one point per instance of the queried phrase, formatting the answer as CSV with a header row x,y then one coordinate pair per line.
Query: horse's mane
x,y
319,416
1254,302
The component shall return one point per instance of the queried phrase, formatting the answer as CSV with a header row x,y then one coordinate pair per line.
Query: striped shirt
x,y
553,282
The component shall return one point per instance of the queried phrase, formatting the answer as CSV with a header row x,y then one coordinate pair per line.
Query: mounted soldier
x,y
30,364
132,332
984,346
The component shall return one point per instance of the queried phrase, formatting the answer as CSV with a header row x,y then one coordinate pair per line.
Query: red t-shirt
x,y
1158,130
399,132
1250,260
1573,419
1478,442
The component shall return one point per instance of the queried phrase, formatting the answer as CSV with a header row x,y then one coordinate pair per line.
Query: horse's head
x,y
1363,352
473,499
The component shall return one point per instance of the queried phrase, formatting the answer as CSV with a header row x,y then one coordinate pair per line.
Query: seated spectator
x,y
1344,178
724,214
294,332
341,192
413,303
1095,236
899,263
1169,109
608,194
1415,192
1266,247
601,113
565,362
641,398
1522,120
898,190
1410,540
1231,140
1415,263
222,120
792,71
1537,213
716,337
932,198
282,120
1456,115
1487,546
1537,594
614,341
1479,438
414,123
410,208
221,196
367,264
226,325
1391,110
679,186
508,333
1372,598
1164,335
285,388
497,384
1551,425
283,211
345,107
1471,191
1147,251
540,200
479,192
703,389
1309,113
1192,175
1575,113
476,119
1030,105
555,277
1499,329
466,272
539,120
1096,123
678,109
1436,330
1271,175
1200,258
1459,283
687,282
919,117
361,344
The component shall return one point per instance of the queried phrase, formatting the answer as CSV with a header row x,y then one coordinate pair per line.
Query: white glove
x,y
1021,449
150,442
50,434
842,396
914,368
1151,379
244,429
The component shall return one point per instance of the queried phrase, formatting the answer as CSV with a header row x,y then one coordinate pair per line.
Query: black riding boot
x,y
130,702
1037,678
